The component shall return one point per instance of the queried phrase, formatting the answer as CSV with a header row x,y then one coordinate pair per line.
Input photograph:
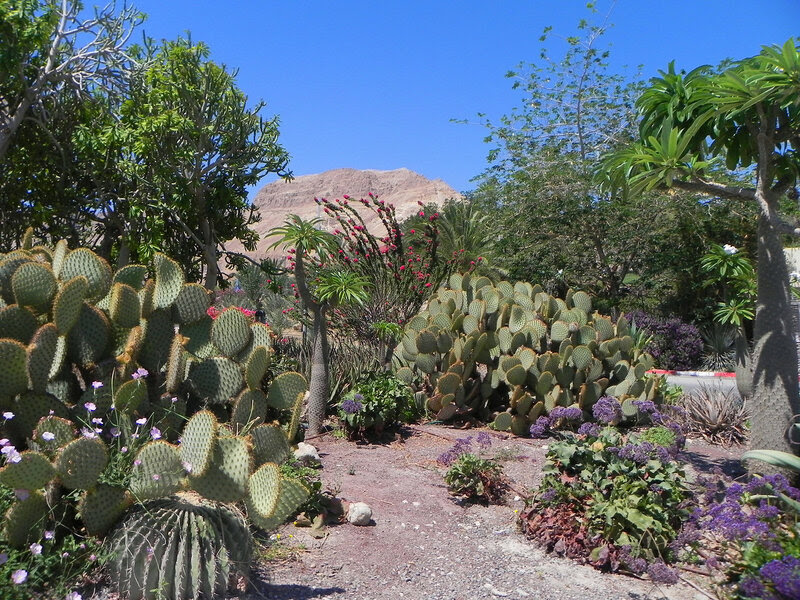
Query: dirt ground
x,y
423,544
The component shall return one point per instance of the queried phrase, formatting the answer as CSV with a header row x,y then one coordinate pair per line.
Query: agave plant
x,y
718,416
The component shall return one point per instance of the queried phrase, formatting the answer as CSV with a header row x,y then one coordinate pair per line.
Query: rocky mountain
x,y
400,187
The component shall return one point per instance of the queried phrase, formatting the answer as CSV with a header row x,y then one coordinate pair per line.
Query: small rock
x,y
306,454
360,513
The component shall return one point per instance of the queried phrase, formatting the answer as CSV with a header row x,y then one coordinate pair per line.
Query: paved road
x,y
693,385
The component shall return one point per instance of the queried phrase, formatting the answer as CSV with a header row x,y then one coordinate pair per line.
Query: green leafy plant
x,y
377,402
475,478
616,498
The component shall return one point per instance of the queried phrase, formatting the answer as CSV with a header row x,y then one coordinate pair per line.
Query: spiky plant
x,y
716,415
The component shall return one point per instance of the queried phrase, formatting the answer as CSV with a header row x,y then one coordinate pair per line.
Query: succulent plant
x,y
511,353
79,340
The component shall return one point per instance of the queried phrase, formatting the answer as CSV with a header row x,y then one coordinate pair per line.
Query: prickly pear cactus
x,y
88,355
511,353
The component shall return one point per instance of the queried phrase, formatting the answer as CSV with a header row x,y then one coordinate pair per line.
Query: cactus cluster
x,y
511,353
131,346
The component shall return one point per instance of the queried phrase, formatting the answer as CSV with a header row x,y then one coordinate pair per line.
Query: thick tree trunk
x,y
775,398
319,387
209,255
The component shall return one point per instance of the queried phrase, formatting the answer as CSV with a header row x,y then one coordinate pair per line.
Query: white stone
x,y
306,454
360,513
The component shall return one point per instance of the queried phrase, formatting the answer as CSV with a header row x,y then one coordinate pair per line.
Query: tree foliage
x,y
696,127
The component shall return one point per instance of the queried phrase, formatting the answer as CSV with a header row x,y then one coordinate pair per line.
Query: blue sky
x,y
375,84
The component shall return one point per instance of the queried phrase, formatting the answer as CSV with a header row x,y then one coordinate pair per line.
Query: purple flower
x,y
351,406
155,433
3,558
141,421
140,372
569,413
4,442
784,575
49,535
484,440
659,572
540,428
607,410
90,406
36,549
589,429
461,446
97,384
752,588
22,495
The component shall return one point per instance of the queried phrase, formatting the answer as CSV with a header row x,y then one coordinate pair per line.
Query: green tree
x,y
553,222
187,145
50,52
696,128
306,242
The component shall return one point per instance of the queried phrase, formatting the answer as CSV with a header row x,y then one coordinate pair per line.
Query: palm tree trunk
x,y
775,398
319,386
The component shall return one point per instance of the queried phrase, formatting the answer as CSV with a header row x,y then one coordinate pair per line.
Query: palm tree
x,y
305,240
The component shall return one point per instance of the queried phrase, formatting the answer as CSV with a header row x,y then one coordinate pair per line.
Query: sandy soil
x,y
423,544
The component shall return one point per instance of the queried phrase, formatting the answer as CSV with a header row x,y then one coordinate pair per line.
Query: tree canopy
x,y
695,129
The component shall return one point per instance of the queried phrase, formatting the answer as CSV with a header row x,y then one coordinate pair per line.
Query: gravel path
x,y
424,545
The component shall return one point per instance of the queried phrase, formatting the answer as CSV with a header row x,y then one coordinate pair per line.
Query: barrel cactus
x,y
511,353
89,354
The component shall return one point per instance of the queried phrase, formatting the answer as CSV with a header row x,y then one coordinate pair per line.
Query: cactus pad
x,y
14,374
228,474
230,332
199,334
26,520
284,389
249,410
17,323
291,495
32,472
158,333
191,304
264,490
216,380
53,432
34,285
297,411
157,471
44,358
80,463
90,337
197,442
269,444
132,275
101,507
169,281
124,307
69,302
256,367
129,396
83,261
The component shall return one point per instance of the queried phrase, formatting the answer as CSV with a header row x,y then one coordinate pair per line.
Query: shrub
x,y
470,475
614,499
675,344
717,416
377,402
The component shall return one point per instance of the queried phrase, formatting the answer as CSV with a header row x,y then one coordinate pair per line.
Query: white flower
x,y
90,406
49,535
88,433
155,433
36,548
10,415
19,576
4,442
48,436
141,421
73,596
187,466
730,249
97,384
14,457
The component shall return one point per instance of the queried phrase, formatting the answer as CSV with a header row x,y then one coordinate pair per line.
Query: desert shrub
x,y
719,347
616,500
377,401
675,344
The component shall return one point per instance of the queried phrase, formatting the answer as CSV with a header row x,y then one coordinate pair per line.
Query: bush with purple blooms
x,y
674,344
755,527
377,402
469,475
627,492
